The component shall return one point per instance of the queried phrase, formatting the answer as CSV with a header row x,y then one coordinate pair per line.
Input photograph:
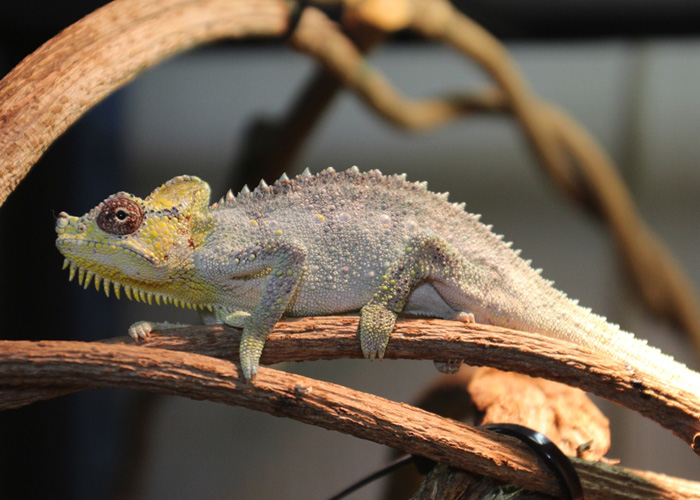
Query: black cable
x,y
396,464
557,462
555,459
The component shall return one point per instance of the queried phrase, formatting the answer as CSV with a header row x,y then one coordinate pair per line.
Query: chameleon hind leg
x,y
426,258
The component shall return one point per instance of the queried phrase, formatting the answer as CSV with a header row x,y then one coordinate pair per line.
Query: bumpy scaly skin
x,y
326,244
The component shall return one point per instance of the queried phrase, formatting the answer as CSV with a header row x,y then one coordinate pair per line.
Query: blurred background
x,y
628,70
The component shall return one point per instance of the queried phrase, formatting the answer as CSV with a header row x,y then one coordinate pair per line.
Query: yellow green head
x,y
146,245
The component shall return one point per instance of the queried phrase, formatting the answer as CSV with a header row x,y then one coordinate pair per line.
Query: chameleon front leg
x,y
426,258
283,262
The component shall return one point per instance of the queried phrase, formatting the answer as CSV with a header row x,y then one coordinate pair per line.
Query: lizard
x,y
329,243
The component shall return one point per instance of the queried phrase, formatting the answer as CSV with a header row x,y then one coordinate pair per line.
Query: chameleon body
x,y
323,244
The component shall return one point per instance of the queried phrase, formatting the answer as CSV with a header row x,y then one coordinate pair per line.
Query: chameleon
x,y
330,243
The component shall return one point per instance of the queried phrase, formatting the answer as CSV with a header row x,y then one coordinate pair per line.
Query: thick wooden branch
x,y
24,365
51,88
331,337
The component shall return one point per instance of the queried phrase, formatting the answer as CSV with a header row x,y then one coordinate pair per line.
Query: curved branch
x,y
331,337
51,88
38,364
319,37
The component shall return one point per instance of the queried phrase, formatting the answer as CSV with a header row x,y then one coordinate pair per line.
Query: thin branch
x,y
40,364
318,36
330,337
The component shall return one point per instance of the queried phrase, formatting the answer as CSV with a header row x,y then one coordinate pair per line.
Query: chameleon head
x,y
144,245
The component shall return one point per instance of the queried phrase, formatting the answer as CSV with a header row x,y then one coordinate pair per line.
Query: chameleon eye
x,y
120,216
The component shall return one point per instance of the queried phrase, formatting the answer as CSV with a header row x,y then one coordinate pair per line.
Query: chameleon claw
x,y
141,330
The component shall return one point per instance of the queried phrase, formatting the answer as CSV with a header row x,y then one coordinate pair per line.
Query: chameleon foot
x,y
464,317
376,325
141,330
250,352
449,367
237,319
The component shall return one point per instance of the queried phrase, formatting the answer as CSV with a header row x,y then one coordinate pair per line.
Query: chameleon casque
x,y
324,244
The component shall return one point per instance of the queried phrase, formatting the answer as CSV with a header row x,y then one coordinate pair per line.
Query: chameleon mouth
x,y
85,277
76,244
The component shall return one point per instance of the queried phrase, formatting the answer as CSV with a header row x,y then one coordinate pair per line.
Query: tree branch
x,y
331,337
26,365
52,87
